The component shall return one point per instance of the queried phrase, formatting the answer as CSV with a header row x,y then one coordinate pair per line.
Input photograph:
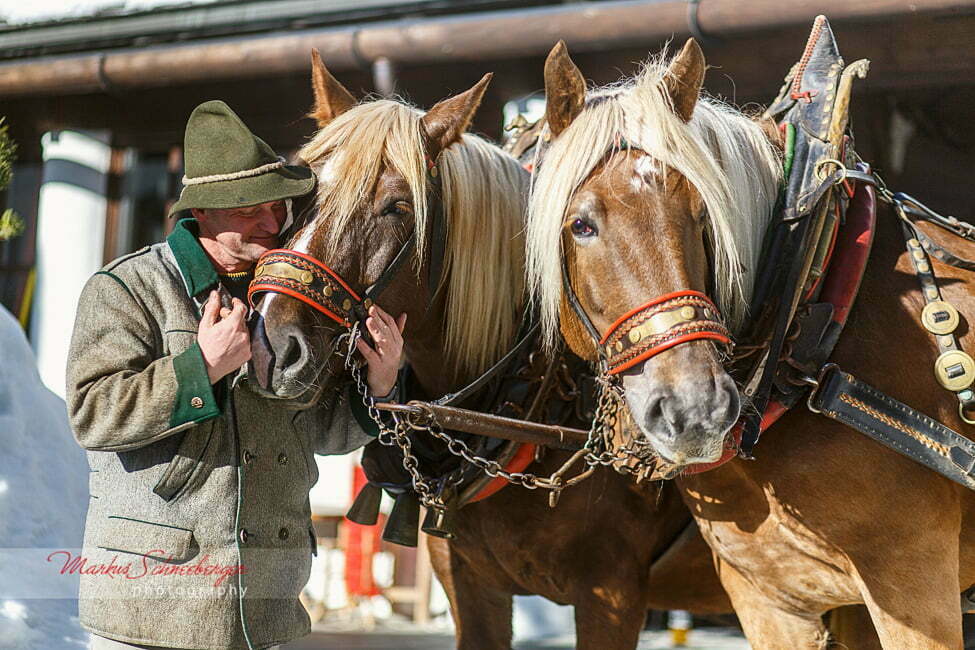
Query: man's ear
x,y
331,97
446,122
565,89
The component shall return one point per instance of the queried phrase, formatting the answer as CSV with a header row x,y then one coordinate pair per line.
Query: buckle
x,y
816,384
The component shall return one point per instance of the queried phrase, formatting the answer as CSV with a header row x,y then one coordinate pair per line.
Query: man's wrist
x,y
389,396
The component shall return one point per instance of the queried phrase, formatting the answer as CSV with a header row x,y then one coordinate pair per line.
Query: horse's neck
x,y
883,344
426,351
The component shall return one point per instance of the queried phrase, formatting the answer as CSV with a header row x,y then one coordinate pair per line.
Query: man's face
x,y
243,233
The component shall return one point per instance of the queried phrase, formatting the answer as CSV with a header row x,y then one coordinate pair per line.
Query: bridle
x,y
657,325
312,282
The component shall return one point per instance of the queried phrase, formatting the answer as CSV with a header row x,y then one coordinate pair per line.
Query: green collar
x,y
198,273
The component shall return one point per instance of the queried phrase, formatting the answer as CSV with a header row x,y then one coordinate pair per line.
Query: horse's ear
x,y
684,79
565,89
331,97
446,122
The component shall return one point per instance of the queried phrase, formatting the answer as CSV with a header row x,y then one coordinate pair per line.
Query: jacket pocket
x,y
160,541
187,462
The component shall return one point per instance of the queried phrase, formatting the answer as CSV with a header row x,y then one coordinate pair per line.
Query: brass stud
x,y
940,317
923,267
954,370
913,242
367,303
687,312
946,341
306,277
346,304
932,293
619,346
327,290
433,171
635,335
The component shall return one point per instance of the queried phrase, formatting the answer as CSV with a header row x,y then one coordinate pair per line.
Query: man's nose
x,y
270,220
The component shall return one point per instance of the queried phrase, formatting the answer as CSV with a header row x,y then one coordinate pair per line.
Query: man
x,y
198,532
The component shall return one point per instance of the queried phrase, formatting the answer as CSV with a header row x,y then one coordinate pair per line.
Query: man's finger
x,y
386,318
377,329
401,322
367,352
239,311
211,309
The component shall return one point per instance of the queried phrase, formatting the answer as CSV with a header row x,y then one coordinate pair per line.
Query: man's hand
x,y
223,337
384,360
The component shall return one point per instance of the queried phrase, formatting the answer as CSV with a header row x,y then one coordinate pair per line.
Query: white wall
x,y
70,239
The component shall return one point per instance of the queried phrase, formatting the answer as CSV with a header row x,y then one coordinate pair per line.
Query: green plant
x,y
11,223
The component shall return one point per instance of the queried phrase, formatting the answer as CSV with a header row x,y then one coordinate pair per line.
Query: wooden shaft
x,y
494,426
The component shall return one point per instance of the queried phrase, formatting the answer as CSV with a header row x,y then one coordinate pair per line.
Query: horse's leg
x,y
605,622
920,610
766,626
481,613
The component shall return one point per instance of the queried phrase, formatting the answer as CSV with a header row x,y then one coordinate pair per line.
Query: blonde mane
x,y
724,154
484,193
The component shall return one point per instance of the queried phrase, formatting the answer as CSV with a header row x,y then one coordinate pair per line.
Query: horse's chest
x,y
787,562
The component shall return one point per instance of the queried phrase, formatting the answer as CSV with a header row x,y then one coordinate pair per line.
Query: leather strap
x,y
846,399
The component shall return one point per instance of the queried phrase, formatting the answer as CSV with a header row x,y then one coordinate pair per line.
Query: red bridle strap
x,y
659,325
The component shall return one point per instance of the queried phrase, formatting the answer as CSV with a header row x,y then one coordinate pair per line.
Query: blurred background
x,y
94,96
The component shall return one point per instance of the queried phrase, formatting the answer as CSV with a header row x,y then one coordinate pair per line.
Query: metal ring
x,y
839,166
961,414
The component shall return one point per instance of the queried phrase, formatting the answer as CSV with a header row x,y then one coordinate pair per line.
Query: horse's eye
x,y
399,209
582,228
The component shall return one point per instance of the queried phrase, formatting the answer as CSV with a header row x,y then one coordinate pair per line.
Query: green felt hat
x,y
227,166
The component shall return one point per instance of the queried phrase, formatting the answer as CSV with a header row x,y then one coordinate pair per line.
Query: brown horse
x,y
650,188
612,548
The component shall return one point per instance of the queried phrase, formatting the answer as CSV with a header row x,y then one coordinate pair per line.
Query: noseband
x,y
646,331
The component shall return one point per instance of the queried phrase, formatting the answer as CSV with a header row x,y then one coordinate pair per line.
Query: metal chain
x,y
388,436
598,449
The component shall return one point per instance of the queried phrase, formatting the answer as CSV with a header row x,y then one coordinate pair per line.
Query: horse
x,y
612,547
650,187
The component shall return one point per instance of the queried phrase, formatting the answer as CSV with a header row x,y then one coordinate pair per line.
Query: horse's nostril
x,y
292,354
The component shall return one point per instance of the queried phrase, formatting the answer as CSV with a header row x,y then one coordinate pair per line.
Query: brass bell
x,y
402,527
439,522
365,508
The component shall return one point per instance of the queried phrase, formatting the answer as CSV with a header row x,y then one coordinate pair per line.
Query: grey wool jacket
x,y
198,532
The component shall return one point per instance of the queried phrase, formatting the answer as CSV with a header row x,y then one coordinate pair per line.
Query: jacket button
x,y
283,533
244,535
283,458
248,456
197,402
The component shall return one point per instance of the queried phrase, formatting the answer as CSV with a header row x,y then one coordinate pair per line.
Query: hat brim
x,y
284,183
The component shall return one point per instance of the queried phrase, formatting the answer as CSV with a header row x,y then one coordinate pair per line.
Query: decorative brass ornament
x,y
284,270
955,370
939,317
635,335
687,312
367,303
346,304
433,171
327,290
